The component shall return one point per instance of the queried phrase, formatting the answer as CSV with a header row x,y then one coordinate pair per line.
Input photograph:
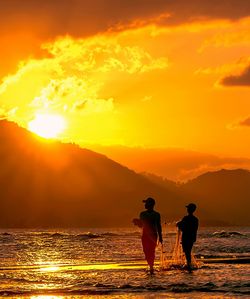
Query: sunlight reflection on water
x,y
48,269
62,264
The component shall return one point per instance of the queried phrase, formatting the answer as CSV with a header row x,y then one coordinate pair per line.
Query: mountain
x,y
223,195
48,183
172,163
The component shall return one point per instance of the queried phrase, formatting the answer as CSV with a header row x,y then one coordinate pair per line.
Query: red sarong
x,y
149,243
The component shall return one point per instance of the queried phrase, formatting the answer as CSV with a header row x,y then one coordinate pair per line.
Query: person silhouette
x,y
150,222
189,226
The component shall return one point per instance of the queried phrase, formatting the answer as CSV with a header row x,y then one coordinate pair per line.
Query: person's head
x,y
149,203
191,208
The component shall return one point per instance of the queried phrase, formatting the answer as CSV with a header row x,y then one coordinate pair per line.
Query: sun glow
x,y
47,126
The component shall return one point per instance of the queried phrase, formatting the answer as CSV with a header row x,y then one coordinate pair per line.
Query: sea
x,y
109,263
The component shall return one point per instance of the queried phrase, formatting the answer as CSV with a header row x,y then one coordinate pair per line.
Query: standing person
x,y
150,221
189,226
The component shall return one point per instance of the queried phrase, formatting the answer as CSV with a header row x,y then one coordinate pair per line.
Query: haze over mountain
x,y
50,184
172,163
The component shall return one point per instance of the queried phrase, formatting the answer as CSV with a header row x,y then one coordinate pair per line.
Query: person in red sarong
x,y
150,221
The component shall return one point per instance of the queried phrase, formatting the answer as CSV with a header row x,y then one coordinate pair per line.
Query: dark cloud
x,y
242,79
24,25
240,123
77,17
245,122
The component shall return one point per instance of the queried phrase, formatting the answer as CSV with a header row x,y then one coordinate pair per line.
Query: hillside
x,y
172,163
223,195
45,183
51,184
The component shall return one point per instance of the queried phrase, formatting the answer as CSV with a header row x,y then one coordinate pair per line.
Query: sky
x,y
137,73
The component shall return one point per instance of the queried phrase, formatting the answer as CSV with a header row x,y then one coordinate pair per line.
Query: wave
x,y
222,256
225,234
58,235
130,234
104,289
5,234
108,234
88,236
47,234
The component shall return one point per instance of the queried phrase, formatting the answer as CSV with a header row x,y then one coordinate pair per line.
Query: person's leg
x,y
188,257
187,248
149,245
151,256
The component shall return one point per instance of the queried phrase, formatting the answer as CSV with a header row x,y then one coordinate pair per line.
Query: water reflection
x,y
50,269
90,267
74,264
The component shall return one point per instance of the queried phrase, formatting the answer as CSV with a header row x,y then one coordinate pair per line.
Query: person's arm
x,y
159,229
138,221
180,224
196,228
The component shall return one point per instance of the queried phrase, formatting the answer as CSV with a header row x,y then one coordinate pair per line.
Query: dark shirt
x,y
151,223
189,226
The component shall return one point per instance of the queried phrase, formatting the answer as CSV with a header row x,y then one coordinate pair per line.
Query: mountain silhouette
x,y
51,184
48,183
173,163
223,195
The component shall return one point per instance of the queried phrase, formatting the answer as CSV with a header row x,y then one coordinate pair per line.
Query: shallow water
x,y
108,262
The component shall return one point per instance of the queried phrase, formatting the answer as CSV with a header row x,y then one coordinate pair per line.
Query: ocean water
x,y
71,263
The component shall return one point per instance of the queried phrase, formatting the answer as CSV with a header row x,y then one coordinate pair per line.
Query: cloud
x,y
147,99
25,25
234,35
245,122
240,123
242,79
2,114
70,80
6,113
233,67
71,95
81,18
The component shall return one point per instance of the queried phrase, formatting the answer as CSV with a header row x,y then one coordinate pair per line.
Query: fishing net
x,y
175,258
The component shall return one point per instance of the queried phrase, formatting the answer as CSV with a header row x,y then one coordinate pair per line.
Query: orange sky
x,y
136,73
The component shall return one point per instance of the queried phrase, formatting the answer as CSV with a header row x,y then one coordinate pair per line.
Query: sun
x,y
47,125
